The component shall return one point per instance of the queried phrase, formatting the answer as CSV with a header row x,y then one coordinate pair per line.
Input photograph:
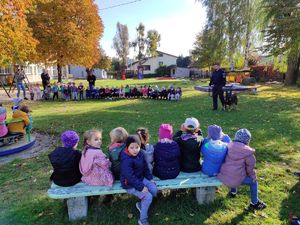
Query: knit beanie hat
x,y
215,132
165,131
243,135
133,139
69,138
2,110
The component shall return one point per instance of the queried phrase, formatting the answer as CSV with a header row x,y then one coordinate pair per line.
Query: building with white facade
x,y
150,64
79,72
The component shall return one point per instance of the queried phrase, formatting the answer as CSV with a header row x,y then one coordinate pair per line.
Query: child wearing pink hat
x,y
166,154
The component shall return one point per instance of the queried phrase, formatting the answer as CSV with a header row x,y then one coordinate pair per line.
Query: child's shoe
x,y
138,206
259,205
297,174
232,194
143,222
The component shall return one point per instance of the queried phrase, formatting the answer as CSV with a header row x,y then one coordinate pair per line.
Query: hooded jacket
x,y
65,162
189,145
114,156
214,152
95,168
239,163
20,126
133,170
166,159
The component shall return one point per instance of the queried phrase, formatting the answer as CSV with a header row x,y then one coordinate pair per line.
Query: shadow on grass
x,y
291,205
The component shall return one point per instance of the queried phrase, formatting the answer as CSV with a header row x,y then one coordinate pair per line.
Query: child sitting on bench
x,y
118,138
189,139
65,160
136,177
239,168
214,150
94,166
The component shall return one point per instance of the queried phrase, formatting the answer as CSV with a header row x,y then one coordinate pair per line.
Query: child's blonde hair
x,y
118,135
144,135
87,136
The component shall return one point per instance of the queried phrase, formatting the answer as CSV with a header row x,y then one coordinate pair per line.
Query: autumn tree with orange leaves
x,y
68,32
16,42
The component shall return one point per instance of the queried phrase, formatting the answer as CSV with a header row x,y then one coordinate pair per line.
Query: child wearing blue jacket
x,y
136,178
214,150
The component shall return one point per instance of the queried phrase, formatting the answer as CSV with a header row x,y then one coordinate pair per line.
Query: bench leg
x,y
77,207
205,195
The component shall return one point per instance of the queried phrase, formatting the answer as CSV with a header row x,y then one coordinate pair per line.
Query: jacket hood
x,y
238,150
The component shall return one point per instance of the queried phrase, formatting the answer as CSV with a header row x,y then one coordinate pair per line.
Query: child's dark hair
x,y
143,133
87,136
133,139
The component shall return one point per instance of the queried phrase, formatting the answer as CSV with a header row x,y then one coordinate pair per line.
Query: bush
x,y
248,81
163,71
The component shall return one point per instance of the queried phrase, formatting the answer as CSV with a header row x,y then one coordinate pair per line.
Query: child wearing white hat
x,y
189,138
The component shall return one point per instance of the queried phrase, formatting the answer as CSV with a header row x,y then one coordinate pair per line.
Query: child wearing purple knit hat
x,y
214,150
65,160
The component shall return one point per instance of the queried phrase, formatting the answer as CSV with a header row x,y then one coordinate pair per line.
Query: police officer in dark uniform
x,y
217,81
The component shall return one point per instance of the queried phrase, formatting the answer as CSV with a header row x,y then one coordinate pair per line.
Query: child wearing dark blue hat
x,y
65,161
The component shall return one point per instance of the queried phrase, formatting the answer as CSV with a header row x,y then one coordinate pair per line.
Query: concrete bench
x,y
77,201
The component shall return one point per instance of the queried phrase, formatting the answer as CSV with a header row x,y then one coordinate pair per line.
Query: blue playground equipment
x,y
12,143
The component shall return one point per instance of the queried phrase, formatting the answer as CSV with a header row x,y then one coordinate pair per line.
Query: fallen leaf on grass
x,y
40,214
166,219
130,215
191,214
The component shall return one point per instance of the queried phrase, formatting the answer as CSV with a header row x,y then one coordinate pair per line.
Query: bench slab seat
x,y
77,195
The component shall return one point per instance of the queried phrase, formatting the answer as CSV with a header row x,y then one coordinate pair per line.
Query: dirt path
x,y
43,143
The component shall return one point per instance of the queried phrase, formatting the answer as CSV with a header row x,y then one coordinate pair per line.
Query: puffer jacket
x,y
239,163
3,128
214,153
166,159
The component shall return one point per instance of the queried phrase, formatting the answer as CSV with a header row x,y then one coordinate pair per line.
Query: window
x,y
160,63
4,70
146,67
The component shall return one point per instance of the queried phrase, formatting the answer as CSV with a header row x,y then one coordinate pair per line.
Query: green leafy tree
x,y
282,33
183,61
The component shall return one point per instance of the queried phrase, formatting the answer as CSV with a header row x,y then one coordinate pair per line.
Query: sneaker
x,y
259,205
297,174
25,98
138,206
232,194
144,222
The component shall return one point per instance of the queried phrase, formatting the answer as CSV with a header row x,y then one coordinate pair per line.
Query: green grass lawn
x,y
272,116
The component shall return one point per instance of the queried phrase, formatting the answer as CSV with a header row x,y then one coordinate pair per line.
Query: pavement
x,y
4,98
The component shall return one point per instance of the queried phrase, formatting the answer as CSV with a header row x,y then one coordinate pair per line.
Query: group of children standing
x,y
134,161
71,91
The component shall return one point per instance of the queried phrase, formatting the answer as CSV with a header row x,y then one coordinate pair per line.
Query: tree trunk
x,y
59,73
292,68
246,57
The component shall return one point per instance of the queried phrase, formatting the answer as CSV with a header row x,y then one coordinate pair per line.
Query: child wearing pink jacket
x,y
94,166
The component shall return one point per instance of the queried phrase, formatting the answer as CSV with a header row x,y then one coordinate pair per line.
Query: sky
x,y
177,21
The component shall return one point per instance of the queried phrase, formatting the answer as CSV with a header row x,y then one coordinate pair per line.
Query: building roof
x,y
159,52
